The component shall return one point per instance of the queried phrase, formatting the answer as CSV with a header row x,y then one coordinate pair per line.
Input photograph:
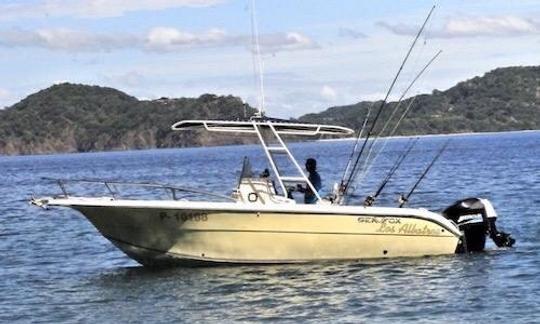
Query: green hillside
x,y
504,99
81,118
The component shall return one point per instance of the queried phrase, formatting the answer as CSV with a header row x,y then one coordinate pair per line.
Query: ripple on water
x,y
55,267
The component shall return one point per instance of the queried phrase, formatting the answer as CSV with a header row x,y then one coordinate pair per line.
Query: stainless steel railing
x,y
176,192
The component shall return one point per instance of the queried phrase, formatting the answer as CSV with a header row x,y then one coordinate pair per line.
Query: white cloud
x,y
4,93
170,39
91,8
505,26
290,41
351,33
158,39
328,93
495,26
66,39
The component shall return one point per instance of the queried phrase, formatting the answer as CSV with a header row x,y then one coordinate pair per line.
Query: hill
x,y
504,99
80,118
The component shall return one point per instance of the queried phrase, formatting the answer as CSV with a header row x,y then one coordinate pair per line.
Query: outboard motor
x,y
476,218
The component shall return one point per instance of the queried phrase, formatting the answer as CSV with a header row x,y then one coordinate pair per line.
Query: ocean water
x,y
55,267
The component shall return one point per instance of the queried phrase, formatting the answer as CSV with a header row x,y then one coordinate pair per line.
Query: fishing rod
x,y
371,199
364,123
403,115
400,100
346,185
405,199
367,165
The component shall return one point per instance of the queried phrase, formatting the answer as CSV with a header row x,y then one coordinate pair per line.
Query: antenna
x,y
257,60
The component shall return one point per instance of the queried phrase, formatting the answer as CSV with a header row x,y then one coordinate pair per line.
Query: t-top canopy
x,y
248,126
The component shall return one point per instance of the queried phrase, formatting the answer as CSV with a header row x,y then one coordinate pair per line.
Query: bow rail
x,y
112,187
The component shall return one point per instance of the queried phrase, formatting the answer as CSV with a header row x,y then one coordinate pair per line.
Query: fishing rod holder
x,y
369,201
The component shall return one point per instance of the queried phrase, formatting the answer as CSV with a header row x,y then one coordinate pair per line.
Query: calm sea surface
x,y
55,267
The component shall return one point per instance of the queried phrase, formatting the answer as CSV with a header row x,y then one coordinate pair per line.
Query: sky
x,y
315,53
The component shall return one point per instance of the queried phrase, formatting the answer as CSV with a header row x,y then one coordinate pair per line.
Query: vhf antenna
x,y
257,61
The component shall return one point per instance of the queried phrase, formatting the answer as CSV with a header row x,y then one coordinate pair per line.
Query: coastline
x,y
434,135
3,156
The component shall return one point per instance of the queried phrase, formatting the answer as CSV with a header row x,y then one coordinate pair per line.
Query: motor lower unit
x,y
476,218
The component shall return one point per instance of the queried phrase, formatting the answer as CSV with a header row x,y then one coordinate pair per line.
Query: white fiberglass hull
x,y
191,233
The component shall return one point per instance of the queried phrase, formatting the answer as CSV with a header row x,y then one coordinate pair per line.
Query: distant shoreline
x,y
291,142
434,135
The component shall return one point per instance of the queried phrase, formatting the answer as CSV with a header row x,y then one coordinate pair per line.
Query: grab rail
x,y
172,189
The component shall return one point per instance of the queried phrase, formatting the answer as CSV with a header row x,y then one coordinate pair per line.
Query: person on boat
x,y
314,178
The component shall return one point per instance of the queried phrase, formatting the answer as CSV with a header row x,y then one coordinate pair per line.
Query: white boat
x,y
259,223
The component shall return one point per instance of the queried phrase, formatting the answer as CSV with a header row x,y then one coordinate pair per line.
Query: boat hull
x,y
158,236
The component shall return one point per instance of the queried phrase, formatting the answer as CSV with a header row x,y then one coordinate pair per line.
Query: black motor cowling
x,y
476,218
